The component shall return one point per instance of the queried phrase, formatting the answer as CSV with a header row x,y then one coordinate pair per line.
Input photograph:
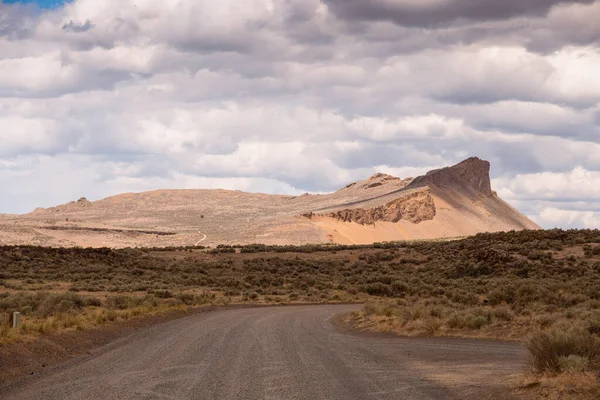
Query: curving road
x,y
279,353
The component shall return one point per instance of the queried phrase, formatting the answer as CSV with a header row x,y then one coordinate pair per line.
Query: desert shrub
x,y
431,326
573,363
398,288
593,304
505,294
464,297
62,303
548,348
546,320
503,314
222,250
380,309
594,327
352,290
122,302
527,293
477,321
435,312
456,321
370,308
590,251
376,289
379,257
187,298
163,294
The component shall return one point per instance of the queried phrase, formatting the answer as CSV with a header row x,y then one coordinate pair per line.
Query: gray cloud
x,y
294,96
77,27
431,13
16,20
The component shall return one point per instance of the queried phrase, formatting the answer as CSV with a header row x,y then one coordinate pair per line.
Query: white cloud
x,y
27,135
576,184
569,200
35,74
295,96
554,217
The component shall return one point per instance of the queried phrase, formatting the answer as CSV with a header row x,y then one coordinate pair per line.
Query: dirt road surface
x,y
279,353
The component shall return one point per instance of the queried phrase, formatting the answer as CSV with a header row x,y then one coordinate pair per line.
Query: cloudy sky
x,y
99,97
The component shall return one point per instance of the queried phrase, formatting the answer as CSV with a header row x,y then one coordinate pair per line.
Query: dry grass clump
x,y
556,351
380,309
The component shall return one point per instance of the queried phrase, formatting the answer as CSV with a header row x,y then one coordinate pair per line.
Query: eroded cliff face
x,y
415,207
473,174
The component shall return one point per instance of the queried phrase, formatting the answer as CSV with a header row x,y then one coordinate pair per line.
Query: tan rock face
x,y
415,207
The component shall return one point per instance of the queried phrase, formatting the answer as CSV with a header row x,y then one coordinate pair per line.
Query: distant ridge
x,y
446,202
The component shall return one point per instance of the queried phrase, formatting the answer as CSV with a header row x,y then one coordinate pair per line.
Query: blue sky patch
x,y
41,3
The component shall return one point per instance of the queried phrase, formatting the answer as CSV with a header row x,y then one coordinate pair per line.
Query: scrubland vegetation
x,y
539,286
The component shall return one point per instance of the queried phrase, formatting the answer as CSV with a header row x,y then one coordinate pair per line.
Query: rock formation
x,y
415,207
473,174
444,203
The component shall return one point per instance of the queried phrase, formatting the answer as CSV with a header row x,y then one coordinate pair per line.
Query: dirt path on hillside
x,y
201,240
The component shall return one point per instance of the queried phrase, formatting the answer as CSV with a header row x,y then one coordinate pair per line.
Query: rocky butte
x,y
448,202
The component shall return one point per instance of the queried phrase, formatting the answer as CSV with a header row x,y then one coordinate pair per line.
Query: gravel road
x,y
279,353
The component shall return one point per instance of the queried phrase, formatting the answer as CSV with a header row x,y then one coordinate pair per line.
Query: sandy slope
x,y
450,202
449,222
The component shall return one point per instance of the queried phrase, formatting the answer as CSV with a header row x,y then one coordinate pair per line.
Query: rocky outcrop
x,y
375,181
378,180
83,202
70,206
473,175
415,207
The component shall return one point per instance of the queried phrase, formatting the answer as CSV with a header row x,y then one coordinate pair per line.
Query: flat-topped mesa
x,y
472,174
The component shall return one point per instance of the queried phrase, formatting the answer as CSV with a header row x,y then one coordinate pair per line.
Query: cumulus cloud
x,y
539,25
293,96
555,217
434,12
579,184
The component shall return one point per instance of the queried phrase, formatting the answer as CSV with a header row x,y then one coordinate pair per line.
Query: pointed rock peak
x,y
472,163
472,173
